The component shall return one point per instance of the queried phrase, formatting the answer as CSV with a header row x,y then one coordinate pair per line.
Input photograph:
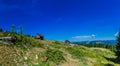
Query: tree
x,y
21,32
118,46
1,30
21,29
12,29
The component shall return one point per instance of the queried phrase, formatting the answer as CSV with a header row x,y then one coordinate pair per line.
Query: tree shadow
x,y
115,60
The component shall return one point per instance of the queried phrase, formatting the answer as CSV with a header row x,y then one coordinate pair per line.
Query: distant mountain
x,y
98,41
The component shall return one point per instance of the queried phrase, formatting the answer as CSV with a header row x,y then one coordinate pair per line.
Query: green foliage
x,y
27,42
1,30
118,46
109,64
55,56
99,45
56,42
36,44
39,62
12,30
56,52
55,46
75,52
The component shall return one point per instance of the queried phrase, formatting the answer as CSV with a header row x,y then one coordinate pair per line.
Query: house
x,y
67,41
39,36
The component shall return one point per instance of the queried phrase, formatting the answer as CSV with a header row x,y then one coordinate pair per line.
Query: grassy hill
x,y
35,52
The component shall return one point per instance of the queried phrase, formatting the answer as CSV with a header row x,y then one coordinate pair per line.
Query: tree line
x,y
98,45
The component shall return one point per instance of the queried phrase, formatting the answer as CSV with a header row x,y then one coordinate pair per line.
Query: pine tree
x,y
1,30
118,46
12,29
21,30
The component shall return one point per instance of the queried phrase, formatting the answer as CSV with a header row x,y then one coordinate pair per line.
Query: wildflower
x,y
25,58
36,56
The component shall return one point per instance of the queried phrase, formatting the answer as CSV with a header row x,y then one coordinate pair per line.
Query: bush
x,y
56,42
75,53
55,56
109,64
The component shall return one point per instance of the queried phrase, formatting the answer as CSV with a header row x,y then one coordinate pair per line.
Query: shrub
x,y
55,56
109,64
75,53
56,42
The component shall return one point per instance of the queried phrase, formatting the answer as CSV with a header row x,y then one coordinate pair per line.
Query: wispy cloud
x,y
90,38
84,37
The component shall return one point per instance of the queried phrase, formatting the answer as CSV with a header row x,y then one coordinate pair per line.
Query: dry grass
x,y
11,56
14,56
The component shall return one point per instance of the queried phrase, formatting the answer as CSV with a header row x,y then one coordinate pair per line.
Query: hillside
x,y
34,52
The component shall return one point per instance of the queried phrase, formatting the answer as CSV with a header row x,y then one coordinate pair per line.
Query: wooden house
x,y
39,36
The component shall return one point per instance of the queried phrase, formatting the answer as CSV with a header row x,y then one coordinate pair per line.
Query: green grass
x,y
30,51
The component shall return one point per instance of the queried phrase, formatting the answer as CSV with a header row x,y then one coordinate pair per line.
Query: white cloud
x,y
84,37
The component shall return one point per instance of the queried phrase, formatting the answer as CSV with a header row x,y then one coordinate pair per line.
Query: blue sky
x,y
76,20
